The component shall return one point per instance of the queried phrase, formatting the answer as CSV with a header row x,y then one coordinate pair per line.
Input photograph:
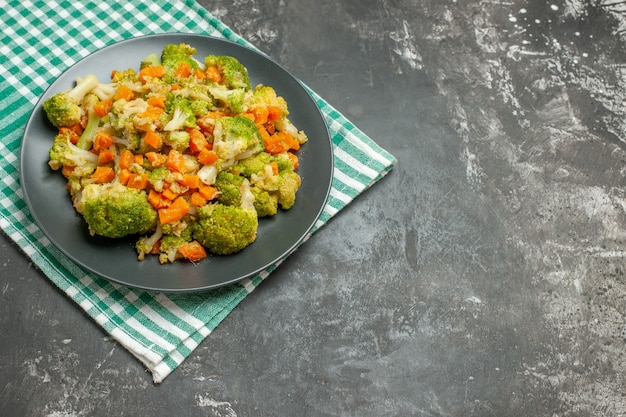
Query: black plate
x,y
115,260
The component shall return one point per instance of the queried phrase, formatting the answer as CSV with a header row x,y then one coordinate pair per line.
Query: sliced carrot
x,y
197,141
292,142
216,114
76,129
138,159
103,174
126,159
153,139
139,181
103,107
152,112
67,170
214,74
157,101
174,212
280,142
102,140
169,194
156,159
265,135
270,127
192,251
191,181
208,191
207,123
183,70
155,71
175,87
156,200
71,132
156,248
207,156
123,176
260,114
274,113
105,156
273,144
175,161
199,74
274,166
197,200
124,92
294,159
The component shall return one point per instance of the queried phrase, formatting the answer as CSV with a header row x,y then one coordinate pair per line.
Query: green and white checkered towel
x,y
40,39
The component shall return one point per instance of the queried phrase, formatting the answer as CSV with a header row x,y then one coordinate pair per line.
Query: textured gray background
x,y
483,277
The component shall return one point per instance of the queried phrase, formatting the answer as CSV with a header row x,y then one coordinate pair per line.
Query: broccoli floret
x,y
128,76
173,54
169,246
93,120
179,112
283,162
252,165
236,138
129,140
123,113
229,187
157,177
265,203
265,96
200,108
64,153
234,190
63,109
114,210
145,244
224,229
179,228
288,185
231,99
178,139
233,73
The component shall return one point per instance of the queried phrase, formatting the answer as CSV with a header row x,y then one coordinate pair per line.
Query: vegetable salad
x,y
184,154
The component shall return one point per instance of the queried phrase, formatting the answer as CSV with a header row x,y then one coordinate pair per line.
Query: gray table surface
x,y
483,277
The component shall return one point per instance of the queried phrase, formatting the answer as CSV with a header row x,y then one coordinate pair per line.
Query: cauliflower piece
x,y
236,138
64,152
63,109
145,244
231,99
232,73
180,112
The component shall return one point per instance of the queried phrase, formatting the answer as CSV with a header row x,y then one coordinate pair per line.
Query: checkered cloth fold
x,y
40,39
